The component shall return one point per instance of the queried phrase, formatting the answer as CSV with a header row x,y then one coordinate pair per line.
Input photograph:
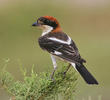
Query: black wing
x,y
67,52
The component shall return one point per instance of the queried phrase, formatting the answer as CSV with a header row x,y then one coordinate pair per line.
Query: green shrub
x,y
40,86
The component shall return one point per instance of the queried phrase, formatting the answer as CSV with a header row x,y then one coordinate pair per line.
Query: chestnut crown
x,y
47,20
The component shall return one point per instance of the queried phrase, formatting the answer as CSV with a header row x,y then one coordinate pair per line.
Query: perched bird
x,y
60,45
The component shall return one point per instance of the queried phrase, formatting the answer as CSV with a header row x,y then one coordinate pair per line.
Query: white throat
x,y
46,29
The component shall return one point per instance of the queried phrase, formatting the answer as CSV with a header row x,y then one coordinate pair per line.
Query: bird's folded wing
x,y
65,51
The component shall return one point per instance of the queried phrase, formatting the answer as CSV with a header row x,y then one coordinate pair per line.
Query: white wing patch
x,y
57,53
61,41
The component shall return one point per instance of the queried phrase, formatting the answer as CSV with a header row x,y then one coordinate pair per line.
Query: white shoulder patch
x,y
69,40
61,41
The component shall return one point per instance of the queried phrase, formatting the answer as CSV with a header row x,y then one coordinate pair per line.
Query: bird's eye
x,y
47,21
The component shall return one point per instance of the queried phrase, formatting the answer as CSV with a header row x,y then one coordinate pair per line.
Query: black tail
x,y
86,74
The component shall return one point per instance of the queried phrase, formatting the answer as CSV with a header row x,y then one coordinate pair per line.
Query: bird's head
x,y
47,24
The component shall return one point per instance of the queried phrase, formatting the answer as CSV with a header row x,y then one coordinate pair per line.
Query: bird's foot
x,y
52,78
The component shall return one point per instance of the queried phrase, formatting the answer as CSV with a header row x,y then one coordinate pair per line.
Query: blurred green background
x,y
86,21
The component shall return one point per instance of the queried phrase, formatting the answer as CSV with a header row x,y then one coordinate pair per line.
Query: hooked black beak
x,y
35,24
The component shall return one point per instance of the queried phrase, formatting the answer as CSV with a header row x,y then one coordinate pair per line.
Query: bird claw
x,y
52,79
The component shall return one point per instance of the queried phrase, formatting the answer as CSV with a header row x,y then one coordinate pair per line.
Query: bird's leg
x,y
54,65
67,69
